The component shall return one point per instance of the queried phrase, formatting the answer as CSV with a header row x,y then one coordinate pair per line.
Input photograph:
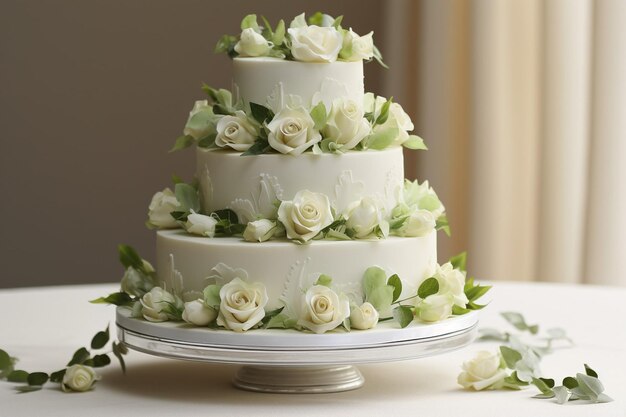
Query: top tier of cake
x,y
260,79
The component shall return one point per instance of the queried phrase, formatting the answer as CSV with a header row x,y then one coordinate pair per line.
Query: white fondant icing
x,y
237,177
272,263
257,78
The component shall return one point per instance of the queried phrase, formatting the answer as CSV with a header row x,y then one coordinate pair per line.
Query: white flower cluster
x,y
323,42
417,211
437,307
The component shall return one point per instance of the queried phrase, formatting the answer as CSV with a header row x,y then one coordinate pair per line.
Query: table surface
x,y
44,326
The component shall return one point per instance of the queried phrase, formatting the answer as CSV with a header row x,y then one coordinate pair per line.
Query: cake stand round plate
x,y
289,361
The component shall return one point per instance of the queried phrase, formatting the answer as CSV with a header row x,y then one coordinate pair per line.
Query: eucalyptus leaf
x,y
561,394
188,197
182,142
542,386
80,356
117,298
415,143
395,282
58,375
129,257
492,334
403,315
6,364
518,321
37,378
28,388
18,376
101,360
590,371
589,385
100,339
381,297
374,277
510,356
212,295
319,115
430,286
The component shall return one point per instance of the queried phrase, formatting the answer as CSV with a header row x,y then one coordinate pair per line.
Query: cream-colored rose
x,y
306,215
364,217
259,230
162,204
292,131
201,121
322,309
242,305
355,47
236,132
315,43
363,317
346,125
154,303
79,378
484,371
418,223
451,282
435,307
136,283
197,313
397,117
252,43
200,224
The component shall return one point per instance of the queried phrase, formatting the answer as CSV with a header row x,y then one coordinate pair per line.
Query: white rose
x,y
451,282
162,204
242,305
357,47
79,378
259,230
364,217
346,125
397,117
197,313
306,215
419,223
322,309
154,302
315,43
484,371
199,224
292,131
435,307
252,43
363,317
201,121
236,132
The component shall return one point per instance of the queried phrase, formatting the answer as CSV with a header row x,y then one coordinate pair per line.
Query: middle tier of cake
x,y
279,264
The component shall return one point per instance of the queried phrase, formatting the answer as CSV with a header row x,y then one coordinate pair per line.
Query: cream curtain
x,y
523,106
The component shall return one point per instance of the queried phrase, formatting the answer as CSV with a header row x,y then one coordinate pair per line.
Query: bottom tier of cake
x,y
281,265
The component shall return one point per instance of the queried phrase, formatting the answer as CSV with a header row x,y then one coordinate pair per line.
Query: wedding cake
x,y
299,216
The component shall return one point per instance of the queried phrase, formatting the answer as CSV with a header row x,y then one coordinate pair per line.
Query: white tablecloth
x,y
43,327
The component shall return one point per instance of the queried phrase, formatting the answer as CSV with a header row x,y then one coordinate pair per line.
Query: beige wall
x,y
92,95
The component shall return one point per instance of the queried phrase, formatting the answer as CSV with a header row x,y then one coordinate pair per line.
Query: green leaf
x,y
182,142
384,113
474,293
226,214
319,115
101,360
324,280
459,311
225,44
100,339
28,388
80,356
279,33
395,282
221,109
379,58
541,384
459,261
57,376
260,146
337,22
589,385
212,295
430,286
373,278
590,371
316,19
415,143
442,224
562,394
570,382
250,22
129,257
6,364
403,315
188,197
37,378
510,356
117,298
381,297
381,140
518,321
18,376
119,350
261,113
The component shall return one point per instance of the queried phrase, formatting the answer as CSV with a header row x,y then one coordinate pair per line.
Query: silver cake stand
x,y
288,361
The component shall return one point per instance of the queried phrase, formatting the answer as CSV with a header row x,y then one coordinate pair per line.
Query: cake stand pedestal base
x,y
298,379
